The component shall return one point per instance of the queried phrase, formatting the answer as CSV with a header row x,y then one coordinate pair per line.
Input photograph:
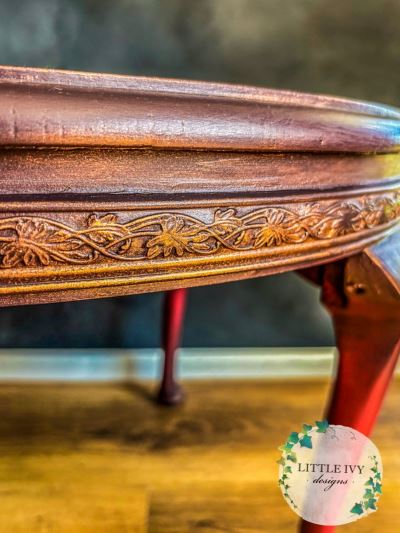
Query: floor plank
x,y
86,457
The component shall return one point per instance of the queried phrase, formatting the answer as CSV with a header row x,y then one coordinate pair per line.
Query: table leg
x,y
170,392
363,297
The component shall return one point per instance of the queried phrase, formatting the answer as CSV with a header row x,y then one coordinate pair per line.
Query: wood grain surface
x,y
115,185
89,458
55,108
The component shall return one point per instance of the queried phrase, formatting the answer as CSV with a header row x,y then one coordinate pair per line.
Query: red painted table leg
x,y
369,349
363,296
306,527
174,313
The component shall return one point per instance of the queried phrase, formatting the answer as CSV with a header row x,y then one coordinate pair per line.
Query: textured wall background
x,y
347,47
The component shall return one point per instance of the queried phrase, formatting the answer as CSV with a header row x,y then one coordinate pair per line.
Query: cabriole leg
x,y
363,297
174,313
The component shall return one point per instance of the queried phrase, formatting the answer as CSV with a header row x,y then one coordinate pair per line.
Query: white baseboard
x,y
193,363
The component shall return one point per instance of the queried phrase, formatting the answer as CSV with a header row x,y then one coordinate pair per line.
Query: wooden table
x,y
116,185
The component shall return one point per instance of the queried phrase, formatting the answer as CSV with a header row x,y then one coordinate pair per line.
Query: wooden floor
x,y
104,458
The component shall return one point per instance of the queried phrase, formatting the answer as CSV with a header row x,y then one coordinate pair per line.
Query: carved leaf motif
x,y
105,220
30,229
11,256
226,221
154,250
372,217
105,229
280,227
34,241
176,237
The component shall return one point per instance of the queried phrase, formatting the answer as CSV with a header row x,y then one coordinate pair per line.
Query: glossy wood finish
x,y
122,463
114,185
54,108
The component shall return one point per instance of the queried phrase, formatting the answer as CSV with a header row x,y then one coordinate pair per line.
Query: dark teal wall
x,y
347,47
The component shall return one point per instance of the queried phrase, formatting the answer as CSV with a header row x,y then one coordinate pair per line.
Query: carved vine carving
x,y
30,241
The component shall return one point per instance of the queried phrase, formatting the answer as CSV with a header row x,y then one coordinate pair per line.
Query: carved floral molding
x,y
31,241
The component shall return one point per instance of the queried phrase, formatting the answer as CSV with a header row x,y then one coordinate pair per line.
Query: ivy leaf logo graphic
x,y
322,426
305,442
287,448
306,428
357,509
370,504
293,438
374,488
